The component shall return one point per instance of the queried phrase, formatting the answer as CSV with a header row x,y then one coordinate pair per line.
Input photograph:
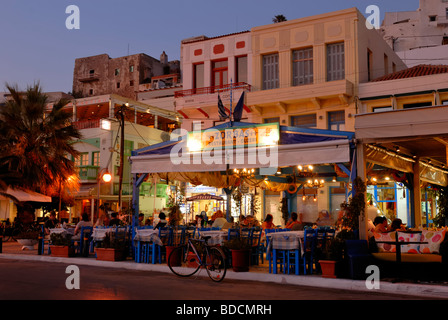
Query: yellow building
x,y
304,72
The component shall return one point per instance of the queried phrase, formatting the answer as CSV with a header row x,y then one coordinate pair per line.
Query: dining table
x,y
286,240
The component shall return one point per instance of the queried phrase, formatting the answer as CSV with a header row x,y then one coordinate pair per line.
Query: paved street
x,y
30,280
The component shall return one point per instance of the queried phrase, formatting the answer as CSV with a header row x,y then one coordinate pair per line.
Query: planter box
x,y
110,254
328,268
62,251
240,260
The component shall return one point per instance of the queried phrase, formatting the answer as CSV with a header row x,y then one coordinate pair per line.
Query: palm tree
x,y
36,142
279,18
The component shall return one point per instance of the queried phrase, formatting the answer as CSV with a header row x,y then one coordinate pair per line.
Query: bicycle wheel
x,y
216,264
183,263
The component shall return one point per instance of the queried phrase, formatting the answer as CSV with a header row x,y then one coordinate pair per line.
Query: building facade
x,y
99,75
421,36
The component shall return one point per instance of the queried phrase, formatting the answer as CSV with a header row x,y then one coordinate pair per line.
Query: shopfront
x,y
256,169
402,156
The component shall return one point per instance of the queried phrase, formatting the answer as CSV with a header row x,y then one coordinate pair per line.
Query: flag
x,y
238,113
222,111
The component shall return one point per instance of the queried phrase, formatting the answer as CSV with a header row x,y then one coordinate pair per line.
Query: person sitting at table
x,y
293,223
103,221
162,221
380,223
268,222
51,223
397,224
219,220
114,221
85,222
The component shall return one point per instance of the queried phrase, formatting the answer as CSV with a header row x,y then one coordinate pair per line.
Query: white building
x,y
421,36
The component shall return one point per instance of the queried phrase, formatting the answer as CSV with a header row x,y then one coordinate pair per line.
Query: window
x,y
417,105
432,18
131,69
335,61
382,109
369,65
91,92
336,120
219,73
198,75
92,72
117,72
302,67
271,120
96,159
270,72
82,160
241,69
445,40
386,64
304,121
118,85
131,83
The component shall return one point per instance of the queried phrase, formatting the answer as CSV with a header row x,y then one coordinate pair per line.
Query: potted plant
x,y
240,250
61,245
111,249
28,239
332,255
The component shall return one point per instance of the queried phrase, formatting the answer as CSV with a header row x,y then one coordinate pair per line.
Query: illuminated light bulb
x,y
107,177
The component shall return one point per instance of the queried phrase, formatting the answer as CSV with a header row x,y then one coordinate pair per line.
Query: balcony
x,y
210,90
89,77
87,124
88,173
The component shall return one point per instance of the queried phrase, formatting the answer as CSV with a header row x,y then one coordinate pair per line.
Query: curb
x,y
408,289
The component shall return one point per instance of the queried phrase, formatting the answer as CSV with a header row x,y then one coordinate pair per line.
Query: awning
x,y
205,197
22,195
297,146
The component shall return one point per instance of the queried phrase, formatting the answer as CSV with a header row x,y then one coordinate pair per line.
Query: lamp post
x,y
104,175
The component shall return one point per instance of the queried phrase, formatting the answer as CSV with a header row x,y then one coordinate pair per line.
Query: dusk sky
x,y
37,46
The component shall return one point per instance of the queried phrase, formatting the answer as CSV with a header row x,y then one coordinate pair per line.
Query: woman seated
x,y
380,223
268,222
294,224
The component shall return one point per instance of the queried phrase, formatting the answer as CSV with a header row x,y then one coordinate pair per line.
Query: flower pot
x,y
175,260
62,251
328,268
28,243
110,254
240,260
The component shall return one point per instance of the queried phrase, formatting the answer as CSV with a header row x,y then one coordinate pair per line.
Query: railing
x,y
88,172
214,89
89,77
87,124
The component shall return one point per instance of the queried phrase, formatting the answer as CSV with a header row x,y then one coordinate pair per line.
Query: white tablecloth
x,y
217,236
148,235
100,233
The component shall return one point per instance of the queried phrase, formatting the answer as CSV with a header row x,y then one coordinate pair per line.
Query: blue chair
x,y
83,244
233,233
309,246
359,257
257,248
166,236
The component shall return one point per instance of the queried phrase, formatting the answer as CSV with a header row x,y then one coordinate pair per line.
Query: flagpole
x,y
230,117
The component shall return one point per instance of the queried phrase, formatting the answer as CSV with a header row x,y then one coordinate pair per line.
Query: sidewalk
x,y
13,250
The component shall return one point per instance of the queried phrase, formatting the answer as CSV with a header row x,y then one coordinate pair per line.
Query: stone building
x,y
99,75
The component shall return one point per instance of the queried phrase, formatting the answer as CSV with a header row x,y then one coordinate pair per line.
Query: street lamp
x,y
104,175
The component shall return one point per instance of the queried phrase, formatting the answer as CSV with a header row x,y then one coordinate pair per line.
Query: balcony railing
x,y
214,89
87,124
88,172
89,77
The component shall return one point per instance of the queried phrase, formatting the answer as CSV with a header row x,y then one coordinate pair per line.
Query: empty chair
x,y
233,233
257,248
309,246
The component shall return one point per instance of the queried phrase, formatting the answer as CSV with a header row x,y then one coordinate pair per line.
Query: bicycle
x,y
185,260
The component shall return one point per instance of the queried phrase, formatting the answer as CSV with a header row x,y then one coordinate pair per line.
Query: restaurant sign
x,y
259,135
